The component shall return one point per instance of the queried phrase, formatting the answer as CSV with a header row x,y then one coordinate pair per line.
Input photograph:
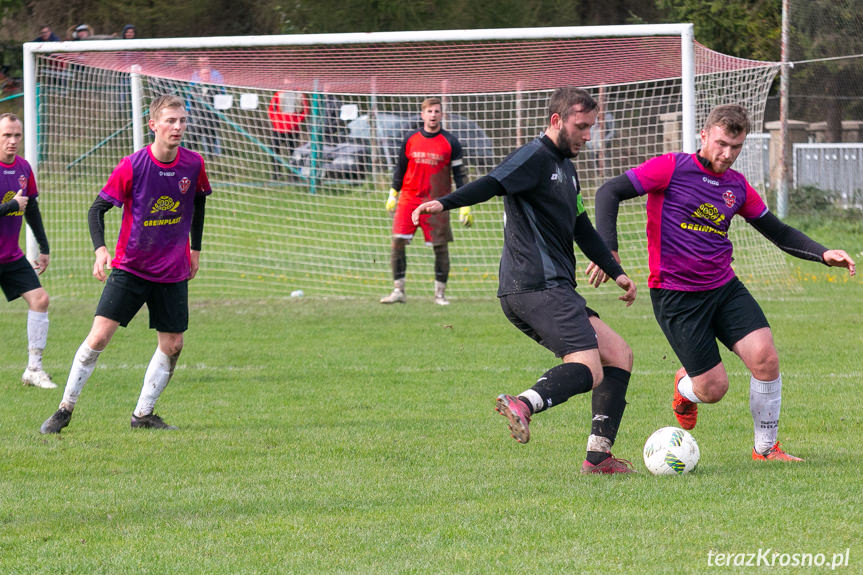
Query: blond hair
x,y
162,102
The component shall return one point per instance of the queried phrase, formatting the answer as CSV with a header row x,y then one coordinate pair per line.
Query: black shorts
x,y
18,277
693,321
556,318
125,293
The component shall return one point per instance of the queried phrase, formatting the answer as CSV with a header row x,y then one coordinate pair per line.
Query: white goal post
x,y
304,209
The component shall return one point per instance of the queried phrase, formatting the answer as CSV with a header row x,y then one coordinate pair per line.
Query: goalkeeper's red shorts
x,y
436,227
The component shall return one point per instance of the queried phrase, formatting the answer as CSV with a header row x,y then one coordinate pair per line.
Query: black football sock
x,y
608,402
441,263
527,402
597,457
399,261
562,382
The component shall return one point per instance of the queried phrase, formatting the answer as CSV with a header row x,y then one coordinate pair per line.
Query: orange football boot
x,y
685,411
775,453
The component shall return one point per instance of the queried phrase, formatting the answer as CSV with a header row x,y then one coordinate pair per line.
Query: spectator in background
x,y
54,68
82,32
129,59
329,108
176,66
7,83
203,119
287,111
46,34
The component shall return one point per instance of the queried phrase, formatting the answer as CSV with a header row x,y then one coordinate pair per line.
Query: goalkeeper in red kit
x,y
429,159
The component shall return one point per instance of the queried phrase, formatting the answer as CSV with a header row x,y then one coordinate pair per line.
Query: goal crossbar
x,y
314,216
684,30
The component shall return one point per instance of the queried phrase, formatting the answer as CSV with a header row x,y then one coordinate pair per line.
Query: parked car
x,y
352,158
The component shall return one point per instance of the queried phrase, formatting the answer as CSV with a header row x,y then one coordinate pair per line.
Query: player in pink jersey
x,y
17,275
162,189
697,299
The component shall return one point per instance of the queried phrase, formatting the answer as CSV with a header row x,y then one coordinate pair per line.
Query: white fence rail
x,y
835,167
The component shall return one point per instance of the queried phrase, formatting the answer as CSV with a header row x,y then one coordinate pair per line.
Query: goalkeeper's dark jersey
x,y
544,215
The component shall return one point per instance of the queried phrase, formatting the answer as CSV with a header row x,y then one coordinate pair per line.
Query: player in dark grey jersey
x,y
544,215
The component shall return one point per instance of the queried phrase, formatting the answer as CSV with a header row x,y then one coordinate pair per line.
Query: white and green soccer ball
x,y
671,451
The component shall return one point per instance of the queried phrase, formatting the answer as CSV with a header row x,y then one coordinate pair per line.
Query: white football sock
x,y
765,399
158,375
534,398
37,336
82,368
684,387
599,443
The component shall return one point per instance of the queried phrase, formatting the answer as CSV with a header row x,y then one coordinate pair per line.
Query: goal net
x,y
300,136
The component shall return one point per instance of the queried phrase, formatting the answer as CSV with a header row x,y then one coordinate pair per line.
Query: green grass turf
x,y
342,436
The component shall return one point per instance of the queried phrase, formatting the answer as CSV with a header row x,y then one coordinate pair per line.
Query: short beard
x,y
564,144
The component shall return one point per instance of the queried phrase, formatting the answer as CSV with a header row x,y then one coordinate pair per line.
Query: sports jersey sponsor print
x,y
15,176
689,212
429,159
157,212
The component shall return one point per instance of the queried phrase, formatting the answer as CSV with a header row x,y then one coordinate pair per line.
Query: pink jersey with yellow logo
x,y
13,177
689,211
158,203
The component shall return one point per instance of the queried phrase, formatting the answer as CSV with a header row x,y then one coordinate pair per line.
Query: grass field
x,y
341,436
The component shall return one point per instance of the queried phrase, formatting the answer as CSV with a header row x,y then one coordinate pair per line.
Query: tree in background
x,y
240,17
831,90
826,91
392,15
743,28
21,19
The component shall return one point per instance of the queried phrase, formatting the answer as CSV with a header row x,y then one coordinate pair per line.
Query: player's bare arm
x,y
839,259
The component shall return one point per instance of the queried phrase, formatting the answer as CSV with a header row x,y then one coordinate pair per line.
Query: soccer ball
x,y
671,451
